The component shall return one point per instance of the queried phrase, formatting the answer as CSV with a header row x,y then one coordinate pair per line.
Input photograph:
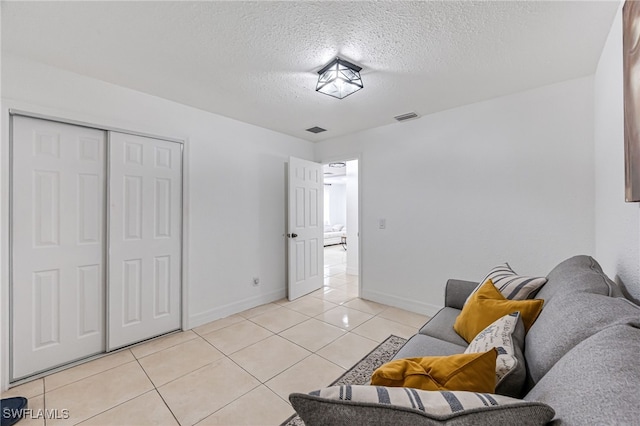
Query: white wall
x,y
509,179
338,203
236,180
617,223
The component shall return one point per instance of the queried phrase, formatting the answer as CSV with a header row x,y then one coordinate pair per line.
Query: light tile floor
x,y
237,370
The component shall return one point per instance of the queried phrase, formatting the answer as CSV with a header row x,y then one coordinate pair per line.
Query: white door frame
x,y
350,157
10,108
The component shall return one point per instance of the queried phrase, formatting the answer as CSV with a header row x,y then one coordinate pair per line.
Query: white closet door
x,y
57,244
145,197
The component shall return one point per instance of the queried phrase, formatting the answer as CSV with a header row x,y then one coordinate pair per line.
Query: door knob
x,y
292,235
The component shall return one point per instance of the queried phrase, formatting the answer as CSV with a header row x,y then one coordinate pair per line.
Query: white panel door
x,y
306,230
57,285
145,206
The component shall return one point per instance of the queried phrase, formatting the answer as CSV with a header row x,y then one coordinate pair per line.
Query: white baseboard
x,y
233,308
401,302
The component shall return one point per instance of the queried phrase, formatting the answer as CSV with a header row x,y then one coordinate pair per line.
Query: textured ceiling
x,y
257,61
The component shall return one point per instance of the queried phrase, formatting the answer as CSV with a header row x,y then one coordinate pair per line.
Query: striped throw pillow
x,y
511,285
357,404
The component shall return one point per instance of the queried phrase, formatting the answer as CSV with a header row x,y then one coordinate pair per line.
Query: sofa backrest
x,y
580,300
578,273
568,319
597,382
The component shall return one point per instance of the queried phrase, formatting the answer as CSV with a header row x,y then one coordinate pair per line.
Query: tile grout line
x,y
155,388
121,403
168,347
90,375
115,406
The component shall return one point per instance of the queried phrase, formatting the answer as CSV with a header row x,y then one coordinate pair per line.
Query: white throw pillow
x,y
507,336
337,227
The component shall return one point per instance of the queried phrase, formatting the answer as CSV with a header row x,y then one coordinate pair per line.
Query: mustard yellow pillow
x,y
487,305
463,372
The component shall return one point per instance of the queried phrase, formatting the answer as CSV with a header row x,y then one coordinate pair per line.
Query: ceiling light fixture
x,y
337,165
339,79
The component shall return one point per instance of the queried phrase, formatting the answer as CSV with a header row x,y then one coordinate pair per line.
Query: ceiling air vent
x,y
407,116
316,129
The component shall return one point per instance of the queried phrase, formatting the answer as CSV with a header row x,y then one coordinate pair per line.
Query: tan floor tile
x,y
338,295
95,394
379,329
171,363
279,319
33,417
282,302
218,324
202,392
309,374
352,288
87,369
260,406
28,390
312,334
237,336
333,270
269,357
347,350
335,282
367,306
146,410
320,292
249,313
344,317
155,345
349,278
309,305
404,317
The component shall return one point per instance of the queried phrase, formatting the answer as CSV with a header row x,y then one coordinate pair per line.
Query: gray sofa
x,y
582,353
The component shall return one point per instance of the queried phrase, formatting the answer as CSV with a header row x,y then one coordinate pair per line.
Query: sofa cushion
x,y
567,320
441,327
510,284
507,336
421,345
597,382
487,305
473,372
578,273
374,405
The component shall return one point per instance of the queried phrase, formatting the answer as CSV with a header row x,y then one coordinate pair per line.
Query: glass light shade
x,y
339,79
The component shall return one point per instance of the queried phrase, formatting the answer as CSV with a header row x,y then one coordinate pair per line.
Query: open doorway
x,y
341,236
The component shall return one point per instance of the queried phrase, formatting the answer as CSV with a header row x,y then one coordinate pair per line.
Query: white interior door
x,y
57,284
306,231
145,242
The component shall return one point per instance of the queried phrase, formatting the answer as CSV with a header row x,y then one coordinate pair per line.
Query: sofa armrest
x,y
457,291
